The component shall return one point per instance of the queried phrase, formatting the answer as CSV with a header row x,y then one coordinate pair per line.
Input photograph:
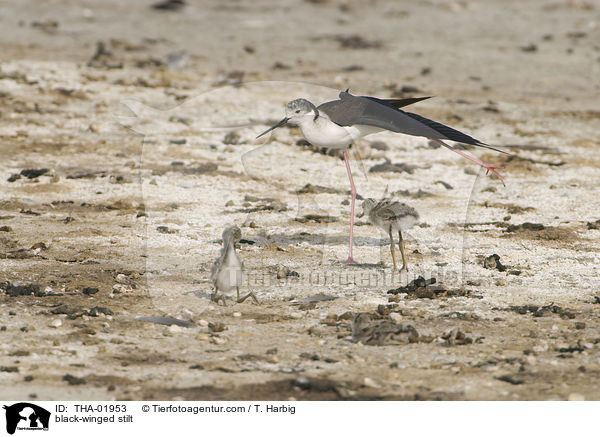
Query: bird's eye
x,y
297,111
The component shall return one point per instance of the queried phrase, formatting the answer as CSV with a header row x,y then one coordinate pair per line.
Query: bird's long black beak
x,y
281,123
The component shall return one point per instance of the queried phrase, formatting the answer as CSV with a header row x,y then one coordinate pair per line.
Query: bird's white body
x,y
229,275
387,213
322,132
397,224
226,272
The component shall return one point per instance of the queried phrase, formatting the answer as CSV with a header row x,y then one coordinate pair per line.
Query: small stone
x,y
577,397
579,325
217,326
217,340
368,382
120,288
529,48
493,262
396,317
32,173
203,323
331,319
96,311
89,290
56,323
9,369
236,314
379,145
282,271
272,359
175,329
384,310
231,138
73,380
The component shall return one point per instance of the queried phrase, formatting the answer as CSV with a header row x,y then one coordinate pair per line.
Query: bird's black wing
x,y
398,103
355,110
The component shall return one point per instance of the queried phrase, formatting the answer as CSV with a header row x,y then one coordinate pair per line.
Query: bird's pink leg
x,y
350,259
488,167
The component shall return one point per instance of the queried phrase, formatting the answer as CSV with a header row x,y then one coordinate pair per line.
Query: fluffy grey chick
x,y
226,272
391,216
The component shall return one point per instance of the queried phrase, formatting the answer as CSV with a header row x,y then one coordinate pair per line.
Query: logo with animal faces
x,y
25,416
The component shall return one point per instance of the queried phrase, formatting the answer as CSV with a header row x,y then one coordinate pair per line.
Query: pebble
x,y
202,322
217,326
120,288
576,397
56,323
282,271
368,382
89,290
396,317
218,340
237,314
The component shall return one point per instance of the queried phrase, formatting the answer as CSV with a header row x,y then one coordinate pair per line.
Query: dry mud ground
x,y
145,121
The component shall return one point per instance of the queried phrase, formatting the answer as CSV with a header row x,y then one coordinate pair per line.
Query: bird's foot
x,y
350,260
242,299
216,298
404,268
492,168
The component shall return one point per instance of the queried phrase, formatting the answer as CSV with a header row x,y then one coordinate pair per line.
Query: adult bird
x,y
337,124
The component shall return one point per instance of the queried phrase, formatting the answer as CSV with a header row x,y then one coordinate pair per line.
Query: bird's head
x,y
232,234
367,206
298,109
296,112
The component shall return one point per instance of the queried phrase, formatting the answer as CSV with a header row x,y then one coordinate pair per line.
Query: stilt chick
x,y
391,216
226,272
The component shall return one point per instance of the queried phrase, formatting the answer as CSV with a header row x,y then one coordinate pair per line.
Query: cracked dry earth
x,y
120,169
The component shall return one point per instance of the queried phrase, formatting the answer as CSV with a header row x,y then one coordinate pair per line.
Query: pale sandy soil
x,y
141,181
